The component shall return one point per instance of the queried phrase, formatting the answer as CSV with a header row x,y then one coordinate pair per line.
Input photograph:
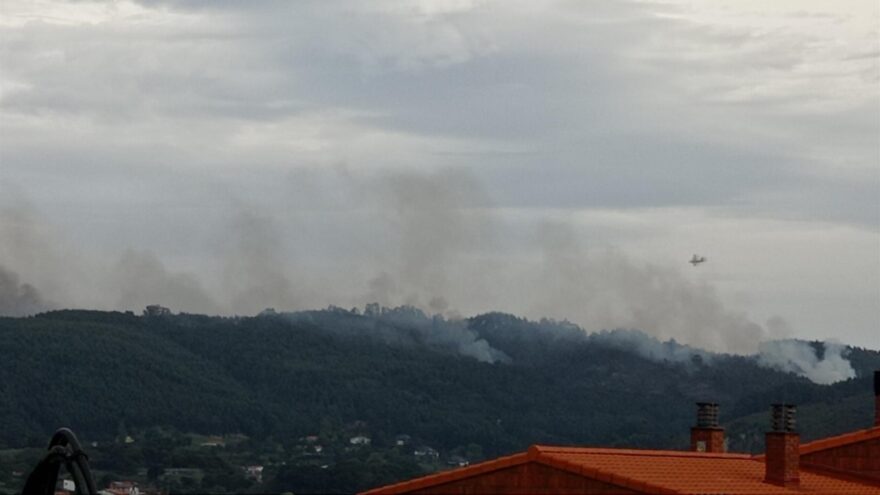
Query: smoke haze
x,y
451,156
16,298
139,278
428,240
603,288
254,271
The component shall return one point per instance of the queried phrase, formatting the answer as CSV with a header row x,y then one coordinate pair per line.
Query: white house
x,y
359,440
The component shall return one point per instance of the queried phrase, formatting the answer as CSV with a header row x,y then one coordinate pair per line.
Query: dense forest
x,y
467,389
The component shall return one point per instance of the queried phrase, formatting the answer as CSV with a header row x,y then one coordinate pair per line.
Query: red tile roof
x,y
852,437
840,440
453,475
653,471
690,472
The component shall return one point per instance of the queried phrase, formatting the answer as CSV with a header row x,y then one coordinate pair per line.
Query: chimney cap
x,y
782,418
707,415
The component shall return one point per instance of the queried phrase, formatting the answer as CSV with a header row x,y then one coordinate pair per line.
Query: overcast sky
x,y
561,159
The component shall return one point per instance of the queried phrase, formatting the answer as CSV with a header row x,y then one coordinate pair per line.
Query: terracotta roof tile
x,y
452,475
696,473
836,441
840,440
653,471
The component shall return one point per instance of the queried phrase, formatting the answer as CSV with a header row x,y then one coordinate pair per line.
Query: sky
x,y
559,159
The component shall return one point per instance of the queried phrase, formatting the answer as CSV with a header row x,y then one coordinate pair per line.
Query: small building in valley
x,y
359,440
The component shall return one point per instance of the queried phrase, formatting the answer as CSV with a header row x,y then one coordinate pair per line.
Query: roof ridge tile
x,y
550,450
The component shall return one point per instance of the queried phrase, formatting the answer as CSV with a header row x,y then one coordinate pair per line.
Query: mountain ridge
x,y
284,375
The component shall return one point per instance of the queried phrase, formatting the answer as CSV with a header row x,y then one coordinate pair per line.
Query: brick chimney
x,y
783,447
707,436
876,397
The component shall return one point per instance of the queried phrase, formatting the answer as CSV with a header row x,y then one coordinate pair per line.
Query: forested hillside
x,y
487,386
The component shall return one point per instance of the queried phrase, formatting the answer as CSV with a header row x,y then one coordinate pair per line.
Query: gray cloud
x,y
579,101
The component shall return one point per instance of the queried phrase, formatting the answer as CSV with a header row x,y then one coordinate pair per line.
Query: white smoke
x,y
649,347
801,358
403,326
437,331
791,356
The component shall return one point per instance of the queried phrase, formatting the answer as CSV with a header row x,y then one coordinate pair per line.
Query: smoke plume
x,y
802,358
28,252
403,326
254,265
791,356
436,226
141,279
439,332
603,288
649,347
18,299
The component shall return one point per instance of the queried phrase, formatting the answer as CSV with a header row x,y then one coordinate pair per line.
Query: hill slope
x,y
497,381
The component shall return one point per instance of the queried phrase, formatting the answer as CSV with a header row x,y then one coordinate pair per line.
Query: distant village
x,y
313,450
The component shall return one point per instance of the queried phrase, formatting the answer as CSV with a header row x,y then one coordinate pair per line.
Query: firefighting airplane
x,y
696,260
